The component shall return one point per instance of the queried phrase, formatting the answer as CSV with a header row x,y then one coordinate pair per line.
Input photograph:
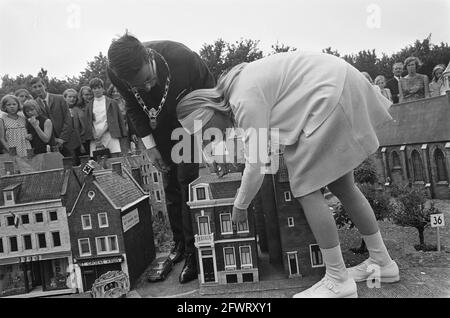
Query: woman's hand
x,y
33,121
239,215
29,137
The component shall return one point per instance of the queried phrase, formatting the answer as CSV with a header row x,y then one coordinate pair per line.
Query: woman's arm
x,y
389,94
3,136
45,135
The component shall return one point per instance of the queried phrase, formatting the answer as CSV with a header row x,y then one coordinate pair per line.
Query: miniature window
x,y
25,219
242,227
203,225
84,247
293,263
27,242
246,257
395,160
225,223
112,242
53,215
290,222
231,279
86,222
155,177
39,217
103,220
287,196
42,241
247,277
201,194
10,220
13,244
1,245
101,245
158,195
417,166
316,256
229,257
56,239
9,196
439,158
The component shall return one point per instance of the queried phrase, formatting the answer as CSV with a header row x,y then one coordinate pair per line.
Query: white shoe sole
x,y
387,280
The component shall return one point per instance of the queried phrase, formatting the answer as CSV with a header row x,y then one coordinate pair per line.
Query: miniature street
x,y
423,274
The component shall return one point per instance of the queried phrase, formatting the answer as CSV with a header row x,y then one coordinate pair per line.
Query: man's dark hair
x,y
35,80
96,82
126,55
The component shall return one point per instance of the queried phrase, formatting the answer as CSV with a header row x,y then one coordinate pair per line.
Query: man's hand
x,y
239,215
59,142
157,161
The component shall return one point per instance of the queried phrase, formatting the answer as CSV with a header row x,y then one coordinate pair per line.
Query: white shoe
x,y
329,288
370,270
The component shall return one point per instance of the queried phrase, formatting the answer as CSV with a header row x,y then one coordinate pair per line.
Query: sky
x,y
63,35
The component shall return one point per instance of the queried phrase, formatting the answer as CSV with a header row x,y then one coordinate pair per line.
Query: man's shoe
x,y
177,252
189,271
370,270
329,288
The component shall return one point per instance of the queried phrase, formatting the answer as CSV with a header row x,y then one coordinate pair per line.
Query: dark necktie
x,y
46,112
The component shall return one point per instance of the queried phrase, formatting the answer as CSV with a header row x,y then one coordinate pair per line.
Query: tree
x,y
279,48
96,68
413,209
221,56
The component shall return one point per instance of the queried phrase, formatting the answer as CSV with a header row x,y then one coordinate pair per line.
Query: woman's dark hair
x,y
126,55
96,82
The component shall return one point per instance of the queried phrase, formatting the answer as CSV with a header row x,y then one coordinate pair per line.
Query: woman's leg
x,y
355,203
336,282
362,215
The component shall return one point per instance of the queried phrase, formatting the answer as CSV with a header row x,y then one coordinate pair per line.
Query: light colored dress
x,y
413,88
325,112
15,132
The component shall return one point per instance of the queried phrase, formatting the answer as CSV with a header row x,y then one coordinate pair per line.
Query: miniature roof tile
x,y
221,187
417,122
35,186
120,189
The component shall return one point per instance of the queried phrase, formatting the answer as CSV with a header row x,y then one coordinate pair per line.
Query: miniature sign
x,y
437,220
130,219
113,284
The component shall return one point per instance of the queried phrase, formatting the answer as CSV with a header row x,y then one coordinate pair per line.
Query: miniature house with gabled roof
x,y
226,252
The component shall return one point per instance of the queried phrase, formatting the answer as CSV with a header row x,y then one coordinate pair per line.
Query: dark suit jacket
x,y
59,115
188,72
115,120
392,84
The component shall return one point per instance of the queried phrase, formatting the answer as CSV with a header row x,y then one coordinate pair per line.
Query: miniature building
x,y
415,148
110,223
290,241
35,249
226,253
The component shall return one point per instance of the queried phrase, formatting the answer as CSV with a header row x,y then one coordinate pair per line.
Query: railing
x,y
204,240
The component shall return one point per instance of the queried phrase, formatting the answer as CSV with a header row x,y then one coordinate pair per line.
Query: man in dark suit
x,y
155,76
55,108
392,83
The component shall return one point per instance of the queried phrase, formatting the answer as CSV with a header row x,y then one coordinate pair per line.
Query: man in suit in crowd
x,y
55,108
156,75
392,84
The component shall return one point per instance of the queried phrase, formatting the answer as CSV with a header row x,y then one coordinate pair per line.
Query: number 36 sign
x,y
437,220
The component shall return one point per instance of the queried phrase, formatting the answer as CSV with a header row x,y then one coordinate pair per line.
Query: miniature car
x,y
160,270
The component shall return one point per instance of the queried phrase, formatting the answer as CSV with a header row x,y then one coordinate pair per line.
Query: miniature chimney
x,y
136,173
84,160
9,167
12,151
67,163
117,168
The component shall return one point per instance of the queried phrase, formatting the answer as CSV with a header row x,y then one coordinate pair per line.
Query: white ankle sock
x,y
334,262
377,250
